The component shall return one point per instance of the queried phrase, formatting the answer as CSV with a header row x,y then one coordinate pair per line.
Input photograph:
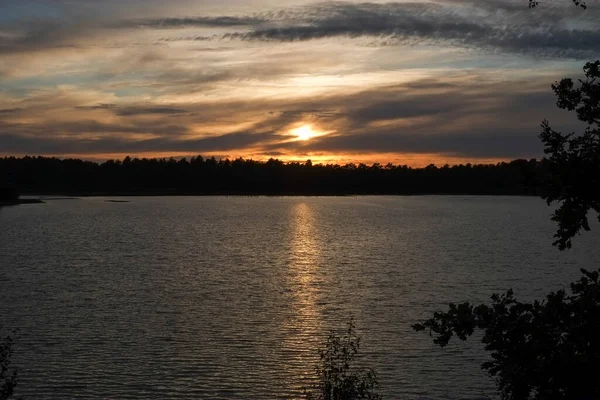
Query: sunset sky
x,y
412,82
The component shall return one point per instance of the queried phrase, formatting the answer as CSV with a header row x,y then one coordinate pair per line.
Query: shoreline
x,y
6,203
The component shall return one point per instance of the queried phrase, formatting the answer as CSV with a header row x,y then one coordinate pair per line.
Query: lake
x,y
231,297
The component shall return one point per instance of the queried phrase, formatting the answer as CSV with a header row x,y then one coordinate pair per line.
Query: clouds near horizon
x,y
455,78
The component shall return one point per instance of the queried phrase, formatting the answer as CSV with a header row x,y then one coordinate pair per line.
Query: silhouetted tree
x,y
201,176
550,349
8,193
574,160
539,350
338,378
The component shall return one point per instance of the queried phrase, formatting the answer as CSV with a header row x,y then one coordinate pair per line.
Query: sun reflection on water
x,y
305,259
304,325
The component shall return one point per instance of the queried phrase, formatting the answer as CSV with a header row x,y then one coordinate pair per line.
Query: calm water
x,y
231,297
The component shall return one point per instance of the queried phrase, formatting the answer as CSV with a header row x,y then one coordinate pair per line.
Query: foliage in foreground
x,y
549,349
574,160
338,378
539,350
8,376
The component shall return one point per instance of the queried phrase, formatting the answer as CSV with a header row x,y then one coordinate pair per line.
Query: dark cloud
x,y
82,127
7,111
367,19
495,25
428,23
454,103
294,114
190,38
40,35
101,106
12,143
494,120
492,143
219,21
506,26
460,116
408,107
129,111
134,110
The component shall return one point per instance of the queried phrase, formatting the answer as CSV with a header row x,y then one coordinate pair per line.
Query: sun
x,y
304,132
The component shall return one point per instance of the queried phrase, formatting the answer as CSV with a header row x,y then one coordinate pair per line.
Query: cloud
x,y
113,144
134,110
506,26
430,23
129,111
459,115
239,83
483,144
168,23
89,128
476,120
42,35
6,111
97,107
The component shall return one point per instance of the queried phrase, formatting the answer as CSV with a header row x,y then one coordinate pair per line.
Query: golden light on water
x,y
304,325
304,263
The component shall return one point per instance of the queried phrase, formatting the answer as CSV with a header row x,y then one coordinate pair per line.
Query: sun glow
x,y
305,132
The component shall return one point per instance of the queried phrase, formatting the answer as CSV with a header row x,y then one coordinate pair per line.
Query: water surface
x,y
230,297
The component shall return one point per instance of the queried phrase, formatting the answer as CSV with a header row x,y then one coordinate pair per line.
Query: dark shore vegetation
x,y
548,349
8,193
20,201
9,196
200,176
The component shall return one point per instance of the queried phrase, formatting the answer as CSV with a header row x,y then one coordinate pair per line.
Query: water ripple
x,y
230,298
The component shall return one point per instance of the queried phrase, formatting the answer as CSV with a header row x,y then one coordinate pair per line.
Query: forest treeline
x,y
204,176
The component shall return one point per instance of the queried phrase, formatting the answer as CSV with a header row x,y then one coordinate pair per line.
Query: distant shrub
x,y
8,193
337,377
